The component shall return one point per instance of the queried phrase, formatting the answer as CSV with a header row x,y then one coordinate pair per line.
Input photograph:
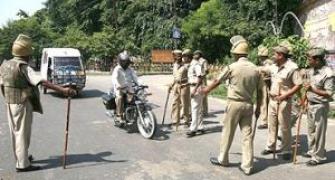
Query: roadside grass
x,y
331,114
220,92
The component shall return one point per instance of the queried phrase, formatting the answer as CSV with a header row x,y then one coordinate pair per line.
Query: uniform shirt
x,y
204,65
264,65
123,78
180,73
244,79
194,72
286,76
322,79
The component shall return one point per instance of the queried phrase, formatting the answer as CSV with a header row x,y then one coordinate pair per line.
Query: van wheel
x,y
45,90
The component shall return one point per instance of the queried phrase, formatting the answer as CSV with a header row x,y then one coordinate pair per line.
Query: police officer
x,y
319,93
285,81
195,76
204,64
245,80
264,62
179,92
19,87
123,80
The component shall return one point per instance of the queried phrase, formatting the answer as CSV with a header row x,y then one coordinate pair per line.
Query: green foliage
x,y
102,28
299,47
331,114
216,21
220,92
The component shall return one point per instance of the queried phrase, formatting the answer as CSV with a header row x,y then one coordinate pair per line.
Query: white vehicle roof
x,y
61,52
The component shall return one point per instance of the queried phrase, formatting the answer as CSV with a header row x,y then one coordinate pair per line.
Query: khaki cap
x,y
177,51
263,51
22,46
240,45
187,52
316,52
198,52
281,49
288,45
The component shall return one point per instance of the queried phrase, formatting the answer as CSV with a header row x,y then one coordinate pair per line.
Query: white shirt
x,y
194,71
123,79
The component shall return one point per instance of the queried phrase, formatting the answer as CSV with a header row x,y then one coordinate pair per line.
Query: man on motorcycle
x,y
123,78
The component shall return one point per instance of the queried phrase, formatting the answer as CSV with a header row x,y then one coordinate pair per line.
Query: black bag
x,y
109,101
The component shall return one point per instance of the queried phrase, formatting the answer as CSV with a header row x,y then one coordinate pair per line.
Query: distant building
x,y
318,17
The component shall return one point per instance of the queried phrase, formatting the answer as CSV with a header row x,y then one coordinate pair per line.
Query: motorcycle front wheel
x,y
149,125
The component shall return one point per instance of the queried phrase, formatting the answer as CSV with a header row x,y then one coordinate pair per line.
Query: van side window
x,y
49,62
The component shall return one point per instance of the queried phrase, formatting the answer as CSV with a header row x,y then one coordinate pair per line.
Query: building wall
x,y
318,17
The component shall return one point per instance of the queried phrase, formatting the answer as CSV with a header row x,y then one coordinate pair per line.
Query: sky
x,y
9,8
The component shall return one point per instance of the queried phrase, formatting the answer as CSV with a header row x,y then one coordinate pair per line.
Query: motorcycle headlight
x,y
141,95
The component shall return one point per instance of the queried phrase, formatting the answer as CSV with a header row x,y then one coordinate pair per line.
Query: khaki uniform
x,y
194,72
20,104
122,83
263,116
181,95
244,81
205,68
318,108
283,78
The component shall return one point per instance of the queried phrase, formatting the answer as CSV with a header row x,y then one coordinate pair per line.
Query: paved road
x,y
98,150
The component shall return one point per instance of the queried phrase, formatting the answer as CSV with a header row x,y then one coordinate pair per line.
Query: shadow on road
x,y
93,159
210,122
90,93
162,133
213,113
330,156
261,163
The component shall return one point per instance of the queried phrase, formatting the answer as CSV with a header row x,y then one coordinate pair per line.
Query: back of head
x,y
239,45
263,51
22,46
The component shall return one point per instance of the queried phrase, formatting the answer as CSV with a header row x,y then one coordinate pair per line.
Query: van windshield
x,y
67,61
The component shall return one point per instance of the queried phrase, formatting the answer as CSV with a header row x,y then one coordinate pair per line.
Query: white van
x,y
63,66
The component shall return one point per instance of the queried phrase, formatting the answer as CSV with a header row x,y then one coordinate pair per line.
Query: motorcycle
x,y
137,112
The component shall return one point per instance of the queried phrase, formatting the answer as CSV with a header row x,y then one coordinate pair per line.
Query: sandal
x,y
312,163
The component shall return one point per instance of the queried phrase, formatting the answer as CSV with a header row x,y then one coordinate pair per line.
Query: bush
x,y
220,92
297,45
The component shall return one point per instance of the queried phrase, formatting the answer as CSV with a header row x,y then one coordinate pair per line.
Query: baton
x,y
165,107
67,129
303,109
